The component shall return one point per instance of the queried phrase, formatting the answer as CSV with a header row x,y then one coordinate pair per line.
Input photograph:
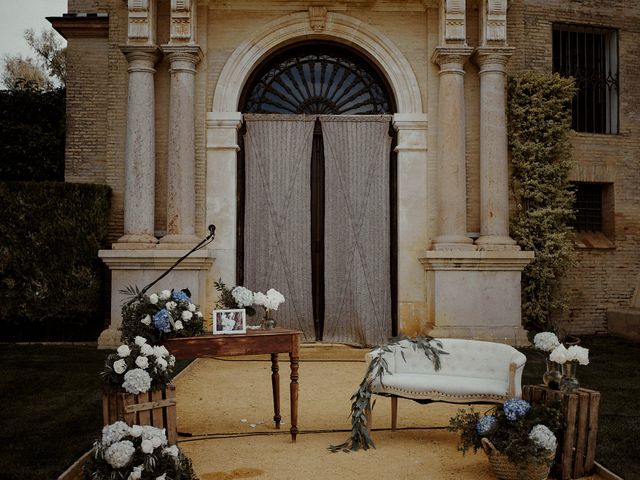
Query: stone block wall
x,y
602,278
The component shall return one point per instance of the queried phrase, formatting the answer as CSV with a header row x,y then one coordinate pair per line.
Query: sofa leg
x,y
394,413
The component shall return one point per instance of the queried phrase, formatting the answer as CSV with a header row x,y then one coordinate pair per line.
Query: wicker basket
x,y
504,469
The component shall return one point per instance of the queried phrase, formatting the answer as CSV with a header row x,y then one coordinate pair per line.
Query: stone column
x,y
494,160
452,188
181,171
140,162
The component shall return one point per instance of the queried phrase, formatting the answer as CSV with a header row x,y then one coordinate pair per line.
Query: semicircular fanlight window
x,y
322,81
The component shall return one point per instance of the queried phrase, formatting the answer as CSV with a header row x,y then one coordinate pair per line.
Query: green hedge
x,y
32,135
51,279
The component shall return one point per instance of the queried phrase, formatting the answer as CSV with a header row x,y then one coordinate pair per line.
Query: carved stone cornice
x,y
85,26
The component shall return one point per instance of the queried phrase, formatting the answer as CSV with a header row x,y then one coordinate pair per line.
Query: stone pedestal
x,y
494,160
476,294
140,161
181,202
452,181
141,267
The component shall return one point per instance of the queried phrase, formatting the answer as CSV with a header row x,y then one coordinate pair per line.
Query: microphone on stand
x,y
205,241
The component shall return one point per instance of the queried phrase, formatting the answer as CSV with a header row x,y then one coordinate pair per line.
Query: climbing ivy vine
x,y
539,121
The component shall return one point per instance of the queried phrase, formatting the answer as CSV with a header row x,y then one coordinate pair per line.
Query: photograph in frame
x,y
229,321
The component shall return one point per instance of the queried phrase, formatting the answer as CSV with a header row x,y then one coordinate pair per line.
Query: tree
x,y
46,72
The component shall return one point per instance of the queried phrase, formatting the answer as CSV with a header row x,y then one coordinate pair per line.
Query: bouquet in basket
x,y
138,367
524,434
136,453
159,316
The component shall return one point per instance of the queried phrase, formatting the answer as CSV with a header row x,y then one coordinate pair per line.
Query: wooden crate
x,y
577,444
156,408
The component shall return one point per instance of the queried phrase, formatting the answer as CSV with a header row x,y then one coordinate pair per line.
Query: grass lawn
x,y
51,405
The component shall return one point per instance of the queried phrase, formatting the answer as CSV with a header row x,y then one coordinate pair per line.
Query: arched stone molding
x,y
338,27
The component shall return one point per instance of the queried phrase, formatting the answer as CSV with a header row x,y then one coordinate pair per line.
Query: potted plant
x,y
136,453
518,439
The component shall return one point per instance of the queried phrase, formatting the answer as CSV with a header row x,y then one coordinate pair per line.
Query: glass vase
x,y
552,376
569,383
268,323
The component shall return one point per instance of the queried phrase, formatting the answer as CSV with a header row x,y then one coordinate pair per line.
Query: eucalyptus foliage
x,y
378,367
539,113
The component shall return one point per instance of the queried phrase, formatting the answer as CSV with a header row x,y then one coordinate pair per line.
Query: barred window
x,y
590,55
588,207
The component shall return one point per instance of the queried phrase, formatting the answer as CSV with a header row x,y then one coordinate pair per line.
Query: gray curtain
x,y
277,214
357,237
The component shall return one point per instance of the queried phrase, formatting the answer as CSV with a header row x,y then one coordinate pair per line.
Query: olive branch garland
x,y
361,400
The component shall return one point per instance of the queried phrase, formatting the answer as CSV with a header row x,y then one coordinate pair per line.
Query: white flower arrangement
x,y
270,301
136,453
542,436
546,341
243,296
158,316
144,367
575,353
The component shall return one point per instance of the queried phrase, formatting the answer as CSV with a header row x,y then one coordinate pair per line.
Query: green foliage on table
x,y
539,121
32,135
226,301
52,281
378,367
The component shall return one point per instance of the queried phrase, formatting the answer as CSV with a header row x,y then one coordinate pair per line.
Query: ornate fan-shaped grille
x,y
318,80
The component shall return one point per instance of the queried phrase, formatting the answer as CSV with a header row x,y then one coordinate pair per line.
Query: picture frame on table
x,y
229,321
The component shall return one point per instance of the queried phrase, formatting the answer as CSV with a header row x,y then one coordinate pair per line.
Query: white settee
x,y
472,372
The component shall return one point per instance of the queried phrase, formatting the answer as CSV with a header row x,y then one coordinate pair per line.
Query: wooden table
x,y
254,342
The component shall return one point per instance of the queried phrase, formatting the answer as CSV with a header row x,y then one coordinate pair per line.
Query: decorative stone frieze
x,y
453,27
140,161
181,203
183,18
493,22
494,160
142,28
451,163
317,18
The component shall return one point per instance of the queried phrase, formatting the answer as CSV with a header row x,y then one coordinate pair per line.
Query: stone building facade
x,y
155,91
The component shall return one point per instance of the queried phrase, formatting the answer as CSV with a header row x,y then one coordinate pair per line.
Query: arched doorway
x,y
310,95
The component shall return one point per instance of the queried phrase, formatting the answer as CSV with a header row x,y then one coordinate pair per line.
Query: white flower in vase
x,y
559,354
575,353
546,341
243,296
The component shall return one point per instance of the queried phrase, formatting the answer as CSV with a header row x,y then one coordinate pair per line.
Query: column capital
x,y
451,58
141,58
410,121
492,58
183,53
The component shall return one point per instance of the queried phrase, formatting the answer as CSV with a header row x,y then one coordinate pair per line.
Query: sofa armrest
x,y
389,357
516,368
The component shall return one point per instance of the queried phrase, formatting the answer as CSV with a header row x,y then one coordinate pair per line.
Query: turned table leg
x,y
275,385
293,358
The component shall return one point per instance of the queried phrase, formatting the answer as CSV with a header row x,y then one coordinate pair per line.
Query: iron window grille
x,y
590,55
588,207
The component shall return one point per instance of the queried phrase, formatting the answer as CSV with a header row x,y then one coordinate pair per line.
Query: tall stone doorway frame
x,y
410,123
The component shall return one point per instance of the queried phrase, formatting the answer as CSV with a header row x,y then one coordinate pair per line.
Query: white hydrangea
x,y
546,341
559,354
140,340
136,431
160,351
192,307
146,350
270,301
142,362
543,437
578,354
172,450
123,351
120,366
146,320
119,454
165,295
186,315
243,296
161,363
178,325
153,298
114,432
157,436
136,381
170,305
146,446
136,473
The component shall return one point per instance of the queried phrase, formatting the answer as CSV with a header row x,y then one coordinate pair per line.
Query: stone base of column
x,y
453,242
176,241
135,242
475,294
141,267
496,242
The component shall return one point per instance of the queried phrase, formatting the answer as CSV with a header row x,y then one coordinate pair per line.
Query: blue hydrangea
x,y
485,424
161,321
514,409
180,296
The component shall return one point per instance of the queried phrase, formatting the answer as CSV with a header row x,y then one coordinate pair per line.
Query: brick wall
x,y
602,278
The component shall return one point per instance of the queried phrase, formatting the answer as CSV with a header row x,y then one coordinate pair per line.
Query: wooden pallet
x,y
577,444
156,408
